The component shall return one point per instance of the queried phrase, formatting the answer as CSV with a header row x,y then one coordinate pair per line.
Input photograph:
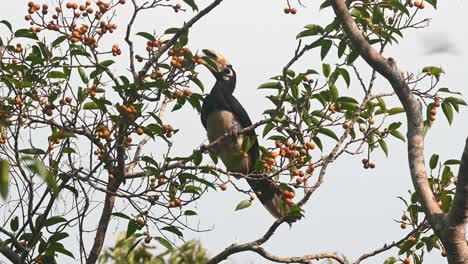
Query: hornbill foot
x,y
233,132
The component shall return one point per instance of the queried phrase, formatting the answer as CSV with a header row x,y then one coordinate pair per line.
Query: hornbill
x,y
222,113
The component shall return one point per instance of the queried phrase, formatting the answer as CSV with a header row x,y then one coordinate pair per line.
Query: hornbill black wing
x,y
265,189
243,118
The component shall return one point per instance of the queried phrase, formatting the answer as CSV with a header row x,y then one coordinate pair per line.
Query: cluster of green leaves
x,y
125,252
443,183
66,86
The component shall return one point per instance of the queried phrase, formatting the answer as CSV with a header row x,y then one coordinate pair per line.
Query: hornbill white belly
x,y
221,114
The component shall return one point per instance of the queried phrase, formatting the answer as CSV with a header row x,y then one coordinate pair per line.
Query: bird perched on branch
x,y
222,114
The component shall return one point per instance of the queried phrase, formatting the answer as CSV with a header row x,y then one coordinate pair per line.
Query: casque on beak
x,y
214,61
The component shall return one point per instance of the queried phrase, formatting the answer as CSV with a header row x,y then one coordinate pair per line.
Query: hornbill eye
x,y
227,71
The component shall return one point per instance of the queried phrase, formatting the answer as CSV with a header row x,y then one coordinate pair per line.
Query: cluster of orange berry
x,y
293,152
366,164
3,138
52,143
175,203
48,109
157,75
178,93
92,90
178,56
103,132
150,45
307,79
79,34
130,111
116,50
67,100
419,4
18,48
19,101
177,7
169,130
161,181
33,8
152,198
433,111
289,10
288,196
106,27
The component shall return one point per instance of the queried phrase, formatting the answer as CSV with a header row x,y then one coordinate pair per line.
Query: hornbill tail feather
x,y
270,196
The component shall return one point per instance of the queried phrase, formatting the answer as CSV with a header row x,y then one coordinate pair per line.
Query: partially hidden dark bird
x,y
222,113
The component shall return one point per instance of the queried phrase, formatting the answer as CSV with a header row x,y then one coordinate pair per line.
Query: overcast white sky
x,y
353,212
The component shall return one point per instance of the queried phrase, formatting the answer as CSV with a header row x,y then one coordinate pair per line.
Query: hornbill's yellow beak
x,y
214,61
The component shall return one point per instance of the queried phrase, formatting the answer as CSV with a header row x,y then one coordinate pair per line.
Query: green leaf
x,y
448,111
333,91
432,70
396,110
54,220
121,215
192,4
173,230
270,85
57,237
311,30
164,242
433,161
14,224
67,150
327,132
326,69
38,167
57,75
57,247
58,41
342,48
83,75
106,63
188,176
326,45
197,157
345,74
190,213
398,135
452,162
432,2
325,4
32,151
399,6
171,31
90,106
377,15
131,228
146,35
446,90
384,146
243,204
267,129
25,33
390,260
353,55
382,104
7,24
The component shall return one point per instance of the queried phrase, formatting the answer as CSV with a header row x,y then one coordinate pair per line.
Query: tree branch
x,y
177,35
457,253
458,215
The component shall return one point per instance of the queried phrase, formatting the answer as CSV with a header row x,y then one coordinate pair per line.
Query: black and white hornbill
x,y
221,114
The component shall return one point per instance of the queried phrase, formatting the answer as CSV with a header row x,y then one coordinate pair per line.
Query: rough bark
x,y
449,227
